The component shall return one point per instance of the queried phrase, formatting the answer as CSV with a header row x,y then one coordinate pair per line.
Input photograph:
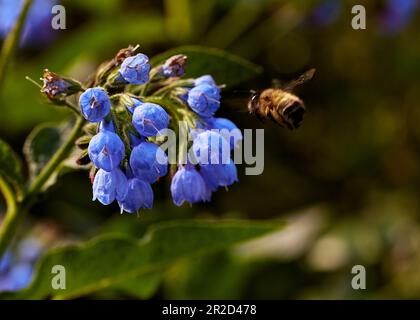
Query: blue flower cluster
x,y
125,150
212,141
214,169
106,150
147,162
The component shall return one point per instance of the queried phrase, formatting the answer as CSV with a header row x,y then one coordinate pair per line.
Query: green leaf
x,y
41,145
141,287
111,260
226,68
218,275
11,167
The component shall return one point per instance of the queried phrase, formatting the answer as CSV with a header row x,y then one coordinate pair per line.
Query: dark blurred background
x,y
347,181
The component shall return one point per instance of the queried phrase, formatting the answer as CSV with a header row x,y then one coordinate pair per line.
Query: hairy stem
x,y
16,210
12,40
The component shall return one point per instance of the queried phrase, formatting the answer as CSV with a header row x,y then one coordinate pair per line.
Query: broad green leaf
x,y
218,275
226,68
113,259
41,145
11,167
141,287
137,228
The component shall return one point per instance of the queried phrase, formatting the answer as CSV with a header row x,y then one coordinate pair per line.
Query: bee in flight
x,y
279,103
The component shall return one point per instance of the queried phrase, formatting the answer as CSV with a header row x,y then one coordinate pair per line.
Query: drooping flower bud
x,y
135,69
108,186
219,175
188,185
94,104
148,162
139,195
174,66
106,150
110,68
204,99
149,119
56,86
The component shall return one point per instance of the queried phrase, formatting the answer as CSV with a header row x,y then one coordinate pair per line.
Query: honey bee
x,y
279,103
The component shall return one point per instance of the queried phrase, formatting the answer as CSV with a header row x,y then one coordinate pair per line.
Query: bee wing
x,y
308,75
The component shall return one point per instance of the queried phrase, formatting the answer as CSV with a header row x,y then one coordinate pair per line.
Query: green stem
x,y
13,213
16,210
54,162
12,40
10,221
73,108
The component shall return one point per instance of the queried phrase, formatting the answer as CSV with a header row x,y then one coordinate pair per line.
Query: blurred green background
x,y
347,181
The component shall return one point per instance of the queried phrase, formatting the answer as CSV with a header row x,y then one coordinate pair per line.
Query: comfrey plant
x,y
129,107
126,116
